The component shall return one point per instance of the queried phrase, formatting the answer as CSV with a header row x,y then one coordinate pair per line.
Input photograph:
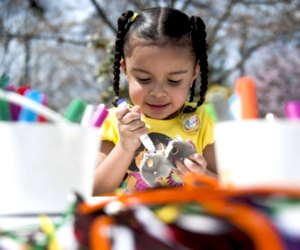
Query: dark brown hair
x,y
163,25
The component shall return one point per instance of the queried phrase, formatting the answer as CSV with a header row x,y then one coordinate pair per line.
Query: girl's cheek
x,y
136,95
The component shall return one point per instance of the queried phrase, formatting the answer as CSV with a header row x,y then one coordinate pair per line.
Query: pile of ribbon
x,y
199,215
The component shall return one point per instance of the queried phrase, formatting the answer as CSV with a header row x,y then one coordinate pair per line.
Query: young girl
x,y
161,51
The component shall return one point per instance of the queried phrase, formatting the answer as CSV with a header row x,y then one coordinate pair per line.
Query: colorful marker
x,y
99,116
26,114
5,114
246,89
75,110
87,115
292,110
21,90
4,81
23,101
145,139
43,102
14,109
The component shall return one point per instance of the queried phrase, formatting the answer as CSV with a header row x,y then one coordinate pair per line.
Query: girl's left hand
x,y
194,163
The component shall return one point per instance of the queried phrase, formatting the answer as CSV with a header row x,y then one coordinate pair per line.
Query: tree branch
x,y
246,54
225,15
103,16
29,36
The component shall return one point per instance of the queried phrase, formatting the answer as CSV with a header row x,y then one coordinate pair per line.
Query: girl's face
x,y
159,78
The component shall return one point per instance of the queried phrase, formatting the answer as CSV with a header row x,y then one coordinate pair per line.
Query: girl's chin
x,y
161,116
160,112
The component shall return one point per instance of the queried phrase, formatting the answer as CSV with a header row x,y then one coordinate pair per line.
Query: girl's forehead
x,y
153,51
161,44
160,58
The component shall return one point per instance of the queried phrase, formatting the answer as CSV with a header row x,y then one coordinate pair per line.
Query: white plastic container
x,y
42,164
252,153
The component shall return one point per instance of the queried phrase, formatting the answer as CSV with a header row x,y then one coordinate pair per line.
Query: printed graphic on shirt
x,y
159,140
157,170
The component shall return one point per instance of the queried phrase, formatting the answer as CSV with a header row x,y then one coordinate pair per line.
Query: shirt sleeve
x,y
208,129
109,128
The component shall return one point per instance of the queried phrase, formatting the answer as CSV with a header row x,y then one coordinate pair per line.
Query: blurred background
x,y
64,48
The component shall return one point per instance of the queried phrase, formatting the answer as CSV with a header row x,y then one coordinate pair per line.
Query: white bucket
x,y
253,153
41,164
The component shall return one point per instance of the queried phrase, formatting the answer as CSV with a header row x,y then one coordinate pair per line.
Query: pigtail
x,y
123,27
200,47
192,91
188,108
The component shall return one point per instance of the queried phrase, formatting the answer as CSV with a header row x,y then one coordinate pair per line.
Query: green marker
x,y
5,114
75,110
4,81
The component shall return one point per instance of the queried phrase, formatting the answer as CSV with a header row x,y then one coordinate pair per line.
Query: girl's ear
x,y
123,66
196,71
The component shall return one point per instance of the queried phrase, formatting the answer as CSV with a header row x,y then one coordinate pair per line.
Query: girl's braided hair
x,y
160,26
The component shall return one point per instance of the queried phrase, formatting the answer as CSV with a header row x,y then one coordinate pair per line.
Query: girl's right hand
x,y
131,127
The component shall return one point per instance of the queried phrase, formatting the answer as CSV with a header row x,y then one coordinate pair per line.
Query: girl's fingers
x,y
137,125
181,167
136,109
134,112
121,112
194,163
198,159
128,117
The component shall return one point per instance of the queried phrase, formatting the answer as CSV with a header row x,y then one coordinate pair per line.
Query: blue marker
x,y
26,114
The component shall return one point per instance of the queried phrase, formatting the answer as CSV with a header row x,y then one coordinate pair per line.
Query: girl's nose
x,y
158,90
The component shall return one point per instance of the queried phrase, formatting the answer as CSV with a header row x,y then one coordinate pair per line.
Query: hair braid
x,y
122,29
192,90
200,48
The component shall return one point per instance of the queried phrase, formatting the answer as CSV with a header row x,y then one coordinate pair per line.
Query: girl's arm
x,y
112,165
114,160
209,155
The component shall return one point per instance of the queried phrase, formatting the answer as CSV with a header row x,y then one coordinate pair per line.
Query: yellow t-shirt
x,y
197,126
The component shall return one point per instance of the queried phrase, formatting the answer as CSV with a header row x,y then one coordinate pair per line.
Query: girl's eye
x,y
143,79
173,82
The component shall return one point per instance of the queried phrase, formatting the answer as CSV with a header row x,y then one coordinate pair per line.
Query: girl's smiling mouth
x,y
157,106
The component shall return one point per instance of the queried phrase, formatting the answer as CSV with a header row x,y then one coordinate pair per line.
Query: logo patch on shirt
x,y
190,123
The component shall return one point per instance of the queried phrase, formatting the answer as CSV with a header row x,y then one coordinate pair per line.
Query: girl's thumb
x,y
136,109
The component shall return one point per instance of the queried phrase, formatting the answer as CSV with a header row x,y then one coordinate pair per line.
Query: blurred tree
x,y
277,77
65,48
48,49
